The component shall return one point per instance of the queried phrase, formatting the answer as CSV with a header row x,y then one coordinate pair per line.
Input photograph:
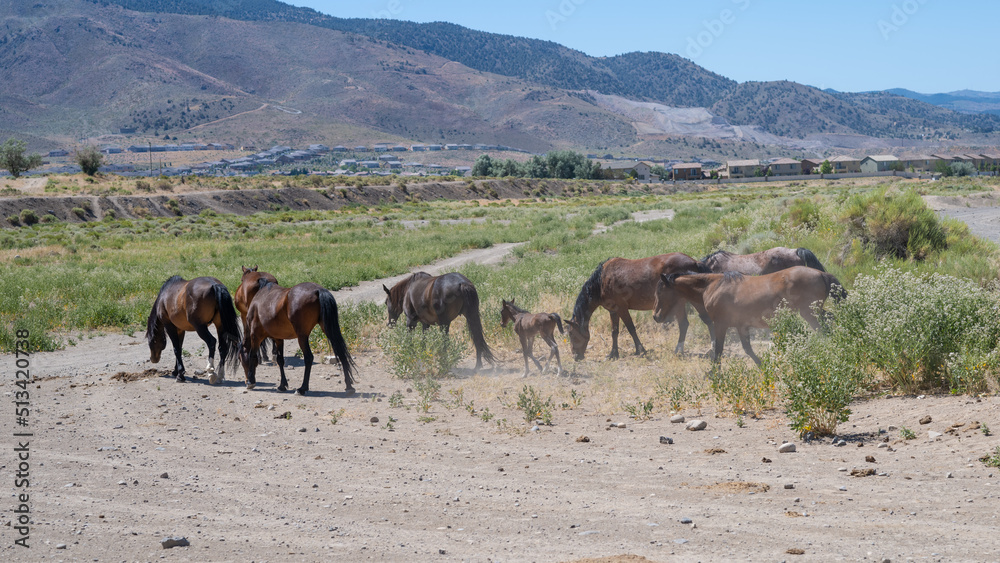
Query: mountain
x,y
261,72
968,101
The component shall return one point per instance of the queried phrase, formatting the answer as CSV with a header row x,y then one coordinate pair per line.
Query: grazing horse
x,y
764,262
437,300
283,313
618,285
742,302
186,306
245,293
527,326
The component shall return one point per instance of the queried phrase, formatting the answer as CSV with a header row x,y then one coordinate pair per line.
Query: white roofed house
x,y
879,163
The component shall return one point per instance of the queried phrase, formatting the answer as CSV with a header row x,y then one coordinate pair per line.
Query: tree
x,y
942,167
483,166
12,157
826,167
90,159
962,169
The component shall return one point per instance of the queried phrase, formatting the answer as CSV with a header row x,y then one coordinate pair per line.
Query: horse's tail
x,y
230,335
558,322
834,288
329,319
471,298
809,259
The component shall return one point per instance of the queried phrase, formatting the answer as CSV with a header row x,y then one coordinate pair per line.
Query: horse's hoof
x,y
180,379
349,390
301,391
251,385
282,388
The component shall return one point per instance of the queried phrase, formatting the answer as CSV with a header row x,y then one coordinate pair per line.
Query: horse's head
x,y
248,358
506,312
393,303
666,297
156,337
579,337
249,284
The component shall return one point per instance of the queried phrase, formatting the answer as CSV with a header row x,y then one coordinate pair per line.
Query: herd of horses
x,y
727,290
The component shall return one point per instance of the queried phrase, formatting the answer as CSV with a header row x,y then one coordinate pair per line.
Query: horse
x,y
438,300
184,306
742,302
620,284
245,293
764,262
283,313
527,326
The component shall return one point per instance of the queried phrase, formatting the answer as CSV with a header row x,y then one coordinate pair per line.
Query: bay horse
x,y
245,293
438,300
283,313
527,326
764,262
742,302
190,306
620,285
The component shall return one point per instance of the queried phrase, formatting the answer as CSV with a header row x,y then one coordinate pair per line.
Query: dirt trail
x,y
981,212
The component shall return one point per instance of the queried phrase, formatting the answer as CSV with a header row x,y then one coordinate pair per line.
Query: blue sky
x,y
850,45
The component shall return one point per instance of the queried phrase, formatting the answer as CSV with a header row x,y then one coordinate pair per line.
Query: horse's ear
x,y
254,269
387,292
665,278
245,269
573,323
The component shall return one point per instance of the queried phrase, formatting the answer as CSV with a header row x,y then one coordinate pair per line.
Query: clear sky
x,y
928,46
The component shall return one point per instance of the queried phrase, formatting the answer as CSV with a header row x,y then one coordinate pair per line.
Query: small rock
x,y
934,435
373,420
440,551
164,475
926,419
680,541
843,488
677,418
199,372
862,472
765,460
329,359
534,428
302,429
60,546
883,445
786,448
178,541
685,520
950,476
870,459
583,439
697,425
789,486
666,440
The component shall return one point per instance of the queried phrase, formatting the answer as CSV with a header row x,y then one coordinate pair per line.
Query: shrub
x,y
28,217
417,354
14,220
962,169
79,212
164,185
48,218
143,186
529,401
174,206
743,389
896,224
89,159
804,212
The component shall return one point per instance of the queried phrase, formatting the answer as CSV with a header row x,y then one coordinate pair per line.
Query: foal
x,y
527,326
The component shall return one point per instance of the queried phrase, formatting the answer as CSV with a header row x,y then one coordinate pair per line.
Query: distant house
x,y
369,164
786,167
743,168
380,148
360,148
811,165
110,150
339,148
399,148
878,163
418,148
451,147
973,159
921,163
59,152
434,147
395,164
689,171
319,149
388,157
621,170
991,159
845,165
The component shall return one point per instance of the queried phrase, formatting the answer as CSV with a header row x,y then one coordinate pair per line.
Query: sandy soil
x,y
122,457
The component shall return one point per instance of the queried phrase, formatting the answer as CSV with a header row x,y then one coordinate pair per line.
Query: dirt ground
x,y
122,457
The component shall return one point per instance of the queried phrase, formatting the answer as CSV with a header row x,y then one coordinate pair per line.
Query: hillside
x,y
968,101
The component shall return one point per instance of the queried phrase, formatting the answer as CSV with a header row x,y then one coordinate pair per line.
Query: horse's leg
x,y
177,339
279,358
210,341
553,351
720,341
630,326
745,341
680,313
810,317
527,345
307,357
613,355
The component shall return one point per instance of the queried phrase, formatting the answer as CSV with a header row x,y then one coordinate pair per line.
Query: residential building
x,y
811,165
921,163
878,163
743,168
846,165
687,171
622,170
785,167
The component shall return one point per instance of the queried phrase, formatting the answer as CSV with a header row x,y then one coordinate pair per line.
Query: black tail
x,y
329,320
471,298
230,334
809,259
558,322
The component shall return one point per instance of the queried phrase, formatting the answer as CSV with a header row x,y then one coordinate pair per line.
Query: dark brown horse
x,y
245,293
527,326
764,262
438,300
742,302
283,313
618,285
190,306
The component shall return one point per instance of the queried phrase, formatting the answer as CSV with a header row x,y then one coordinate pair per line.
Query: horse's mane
x,y
590,292
153,322
397,291
263,282
514,307
732,277
719,252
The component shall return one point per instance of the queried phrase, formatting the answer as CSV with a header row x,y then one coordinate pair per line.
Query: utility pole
x,y
150,145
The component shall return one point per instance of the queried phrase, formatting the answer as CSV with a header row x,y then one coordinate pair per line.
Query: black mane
x,y
590,292
728,277
153,322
